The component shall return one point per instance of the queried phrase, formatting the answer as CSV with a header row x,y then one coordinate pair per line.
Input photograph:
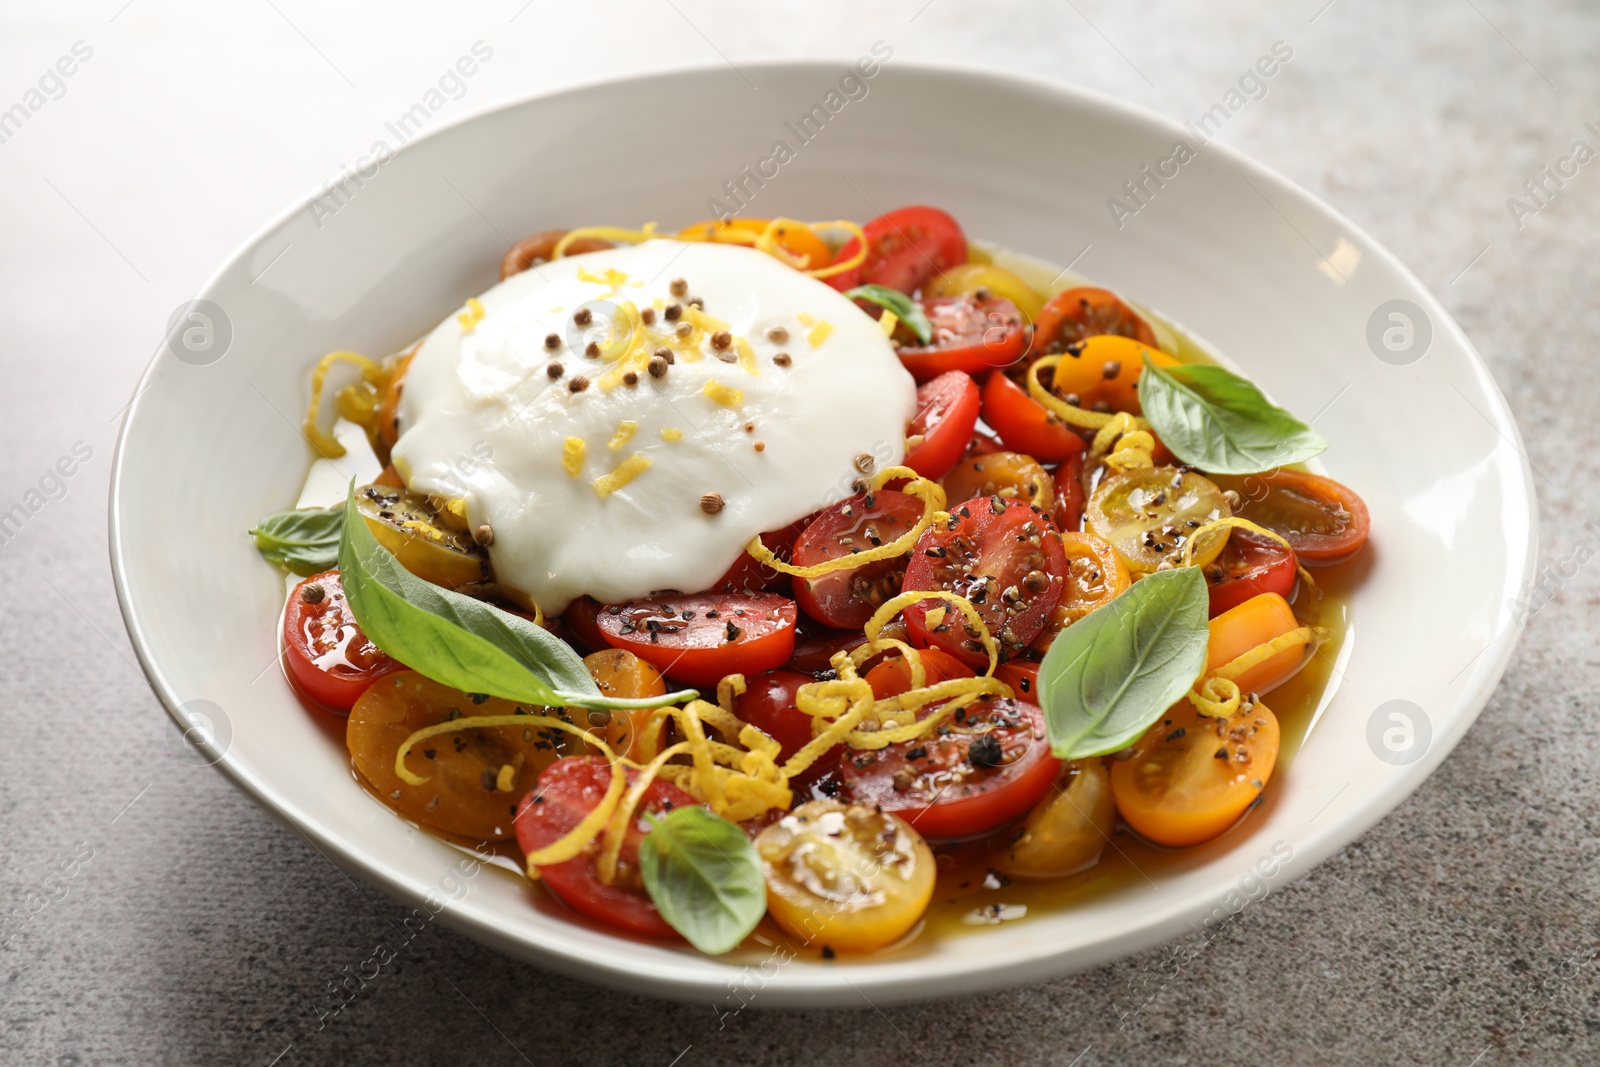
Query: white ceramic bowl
x,y
1284,286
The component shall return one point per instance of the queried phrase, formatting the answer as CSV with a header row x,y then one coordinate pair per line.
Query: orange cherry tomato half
x,y
1190,777
969,334
1024,425
538,247
1323,521
798,241
701,638
989,764
619,673
906,249
1103,372
1252,624
846,599
1095,576
389,407
1249,566
1072,315
1001,555
567,791
1009,474
947,411
328,657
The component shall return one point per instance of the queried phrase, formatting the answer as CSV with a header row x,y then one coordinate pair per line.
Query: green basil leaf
x,y
1219,422
457,640
906,309
305,541
703,874
1112,673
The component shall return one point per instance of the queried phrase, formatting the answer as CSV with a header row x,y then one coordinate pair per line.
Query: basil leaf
x,y
305,541
906,309
1112,673
1219,422
703,874
457,640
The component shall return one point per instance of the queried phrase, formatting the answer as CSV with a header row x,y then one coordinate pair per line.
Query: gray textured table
x,y
193,928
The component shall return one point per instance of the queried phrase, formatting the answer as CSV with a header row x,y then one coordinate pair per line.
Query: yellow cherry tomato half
x,y
1149,515
424,542
966,279
1190,776
845,876
468,791
1249,625
1066,832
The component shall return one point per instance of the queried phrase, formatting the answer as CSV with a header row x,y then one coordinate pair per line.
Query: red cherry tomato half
x,y
1023,678
568,790
1323,521
982,444
906,249
699,638
768,704
1024,424
947,411
750,575
969,334
1249,566
1072,315
1069,493
992,765
1003,556
893,676
846,599
329,658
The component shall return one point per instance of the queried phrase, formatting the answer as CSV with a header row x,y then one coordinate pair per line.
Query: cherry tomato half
x,y
619,673
969,334
1190,776
750,575
1003,556
905,249
815,645
1009,474
798,241
1068,829
1070,497
768,704
700,638
1249,625
1023,678
567,791
846,599
1025,425
329,658
892,676
1096,575
1072,315
1323,521
1249,566
537,248
845,876
1103,372
947,411
990,764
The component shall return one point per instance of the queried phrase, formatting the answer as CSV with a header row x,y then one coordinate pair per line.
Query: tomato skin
x,y
1323,521
969,335
906,248
768,704
1070,497
1249,566
815,646
846,599
568,790
893,676
1072,315
749,575
1177,791
934,785
990,545
1249,625
702,648
947,411
328,657
1023,678
1024,425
